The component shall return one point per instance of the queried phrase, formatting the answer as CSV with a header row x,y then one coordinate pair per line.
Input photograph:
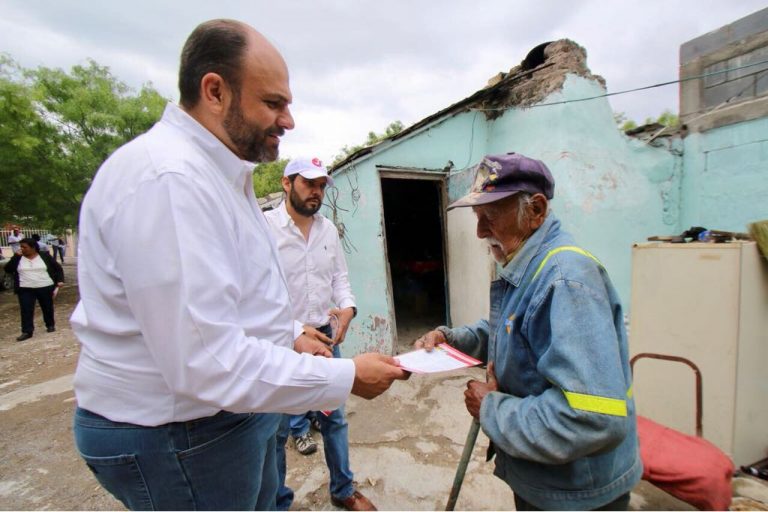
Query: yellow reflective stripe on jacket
x,y
594,403
581,401
556,250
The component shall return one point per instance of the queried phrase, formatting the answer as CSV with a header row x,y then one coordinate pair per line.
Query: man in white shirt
x,y
13,241
316,272
41,245
189,349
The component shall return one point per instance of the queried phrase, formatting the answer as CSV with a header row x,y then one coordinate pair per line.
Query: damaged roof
x,y
541,73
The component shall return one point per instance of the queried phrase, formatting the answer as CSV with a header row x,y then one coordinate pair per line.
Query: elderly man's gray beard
x,y
497,250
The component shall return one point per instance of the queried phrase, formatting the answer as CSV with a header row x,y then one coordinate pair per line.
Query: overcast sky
x,y
358,65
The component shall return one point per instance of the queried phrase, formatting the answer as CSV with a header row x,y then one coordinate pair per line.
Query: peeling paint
x,y
611,190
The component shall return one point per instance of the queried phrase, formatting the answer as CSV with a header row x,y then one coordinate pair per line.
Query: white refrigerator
x,y
707,303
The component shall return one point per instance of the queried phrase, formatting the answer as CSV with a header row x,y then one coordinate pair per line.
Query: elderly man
x,y
557,404
189,349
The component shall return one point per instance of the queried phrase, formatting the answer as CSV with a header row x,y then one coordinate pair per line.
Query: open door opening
x,y
415,250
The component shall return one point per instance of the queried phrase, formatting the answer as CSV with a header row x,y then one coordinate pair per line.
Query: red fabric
x,y
689,468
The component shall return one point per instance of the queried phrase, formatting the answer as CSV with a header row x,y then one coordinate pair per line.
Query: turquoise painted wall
x,y
725,183
611,190
432,149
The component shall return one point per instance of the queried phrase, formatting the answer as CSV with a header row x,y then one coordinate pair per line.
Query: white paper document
x,y
442,358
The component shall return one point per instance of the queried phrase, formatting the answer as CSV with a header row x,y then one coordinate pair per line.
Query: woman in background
x,y
36,278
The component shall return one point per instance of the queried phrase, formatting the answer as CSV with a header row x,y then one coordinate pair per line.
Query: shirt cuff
x,y
348,303
298,330
447,332
340,379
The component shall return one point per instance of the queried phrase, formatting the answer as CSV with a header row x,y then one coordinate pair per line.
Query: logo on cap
x,y
316,162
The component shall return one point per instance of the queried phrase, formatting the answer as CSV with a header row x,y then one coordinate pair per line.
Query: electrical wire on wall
x,y
354,188
332,195
471,146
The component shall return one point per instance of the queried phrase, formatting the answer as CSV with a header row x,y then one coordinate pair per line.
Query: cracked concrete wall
x,y
725,179
612,191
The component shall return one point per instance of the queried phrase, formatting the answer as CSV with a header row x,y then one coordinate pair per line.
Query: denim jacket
x,y
563,420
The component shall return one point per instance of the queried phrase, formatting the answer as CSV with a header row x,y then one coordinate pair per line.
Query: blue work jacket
x,y
563,420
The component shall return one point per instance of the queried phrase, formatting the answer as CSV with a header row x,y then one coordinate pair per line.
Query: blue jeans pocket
x,y
122,477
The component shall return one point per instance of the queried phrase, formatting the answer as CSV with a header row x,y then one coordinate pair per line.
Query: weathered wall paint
x,y
725,183
611,192
433,148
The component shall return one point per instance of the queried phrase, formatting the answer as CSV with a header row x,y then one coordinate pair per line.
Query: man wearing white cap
x,y
316,273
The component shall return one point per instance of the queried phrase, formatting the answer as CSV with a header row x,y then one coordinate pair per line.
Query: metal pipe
x,y
696,372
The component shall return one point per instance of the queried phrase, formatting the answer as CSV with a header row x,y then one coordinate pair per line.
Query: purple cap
x,y
500,176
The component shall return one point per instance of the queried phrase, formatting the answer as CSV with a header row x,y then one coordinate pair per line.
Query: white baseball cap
x,y
310,168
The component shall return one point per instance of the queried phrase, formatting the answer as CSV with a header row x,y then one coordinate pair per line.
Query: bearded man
x,y
189,348
316,270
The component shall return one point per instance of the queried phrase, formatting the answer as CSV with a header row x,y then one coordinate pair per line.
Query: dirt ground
x,y
404,445
42,471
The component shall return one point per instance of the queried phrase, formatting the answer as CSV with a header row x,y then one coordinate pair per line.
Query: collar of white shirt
x,y
232,167
284,219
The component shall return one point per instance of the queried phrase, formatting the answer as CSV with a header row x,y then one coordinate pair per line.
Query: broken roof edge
x,y
554,56
438,117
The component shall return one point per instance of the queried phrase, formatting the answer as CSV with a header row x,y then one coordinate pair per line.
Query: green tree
x,y
666,118
393,128
266,177
28,146
56,129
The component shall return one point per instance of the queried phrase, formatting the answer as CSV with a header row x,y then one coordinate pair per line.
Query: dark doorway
x,y
414,231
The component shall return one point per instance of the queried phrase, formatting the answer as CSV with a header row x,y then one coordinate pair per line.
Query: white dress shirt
x,y
315,269
33,273
173,327
13,242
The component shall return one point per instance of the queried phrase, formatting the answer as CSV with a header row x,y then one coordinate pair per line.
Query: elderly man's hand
x,y
429,340
308,345
374,373
476,391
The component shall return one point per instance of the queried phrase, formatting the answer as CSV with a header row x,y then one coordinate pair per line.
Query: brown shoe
x,y
355,502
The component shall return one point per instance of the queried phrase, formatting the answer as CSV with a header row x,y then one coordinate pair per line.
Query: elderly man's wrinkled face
x,y
503,226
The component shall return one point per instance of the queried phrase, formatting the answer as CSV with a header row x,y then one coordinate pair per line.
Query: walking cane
x,y
469,445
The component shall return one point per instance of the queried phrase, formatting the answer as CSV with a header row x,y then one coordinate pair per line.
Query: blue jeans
x,y
334,429
223,462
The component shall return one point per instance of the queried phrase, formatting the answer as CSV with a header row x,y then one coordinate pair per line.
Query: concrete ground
x,y
404,445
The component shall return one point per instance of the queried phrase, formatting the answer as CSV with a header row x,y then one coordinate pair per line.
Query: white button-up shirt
x,y
315,269
184,310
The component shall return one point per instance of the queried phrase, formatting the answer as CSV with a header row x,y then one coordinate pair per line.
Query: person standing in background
x,y
13,240
36,278
318,282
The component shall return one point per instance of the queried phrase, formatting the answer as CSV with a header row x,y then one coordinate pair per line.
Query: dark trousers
x,y
27,299
620,503
58,250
